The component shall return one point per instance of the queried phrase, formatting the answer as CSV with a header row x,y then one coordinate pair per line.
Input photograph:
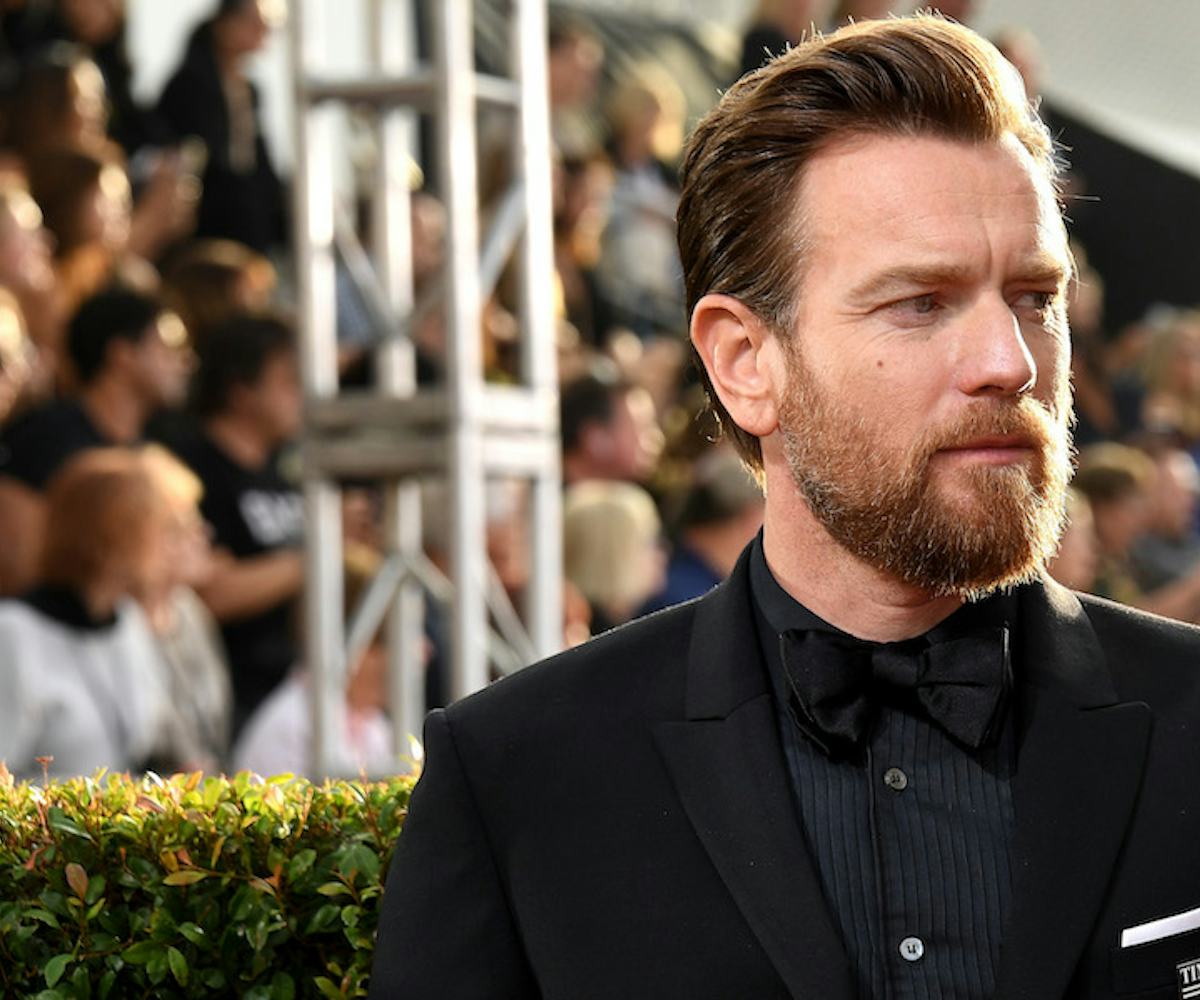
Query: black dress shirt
x,y
913,842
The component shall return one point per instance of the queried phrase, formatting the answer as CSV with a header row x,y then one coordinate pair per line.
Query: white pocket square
x,y
1164,927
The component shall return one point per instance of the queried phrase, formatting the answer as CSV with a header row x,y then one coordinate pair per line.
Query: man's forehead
x,y
929,194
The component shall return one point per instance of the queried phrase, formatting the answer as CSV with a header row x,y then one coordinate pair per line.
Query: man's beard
x,y
888,510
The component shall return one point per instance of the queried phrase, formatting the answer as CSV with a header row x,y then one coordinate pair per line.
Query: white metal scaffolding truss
x,y
464,430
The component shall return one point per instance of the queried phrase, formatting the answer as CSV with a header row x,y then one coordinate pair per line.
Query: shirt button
x,y
911,949
895,779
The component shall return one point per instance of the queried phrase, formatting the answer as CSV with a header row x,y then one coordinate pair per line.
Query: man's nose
x,y
996,359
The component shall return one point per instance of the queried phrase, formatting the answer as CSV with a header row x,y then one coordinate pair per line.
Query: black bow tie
x,y
838,682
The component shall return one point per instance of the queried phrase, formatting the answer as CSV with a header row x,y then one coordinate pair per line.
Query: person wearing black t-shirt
x,y
248,400
130,358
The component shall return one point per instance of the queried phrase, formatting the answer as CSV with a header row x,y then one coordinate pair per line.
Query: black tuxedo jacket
x,y
617,822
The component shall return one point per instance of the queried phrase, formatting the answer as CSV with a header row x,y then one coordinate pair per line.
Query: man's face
x,y
163,362
1177,487
25,246
925,419
276,399
634,440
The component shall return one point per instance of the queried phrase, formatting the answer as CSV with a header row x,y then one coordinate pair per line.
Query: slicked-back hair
x,y
740,228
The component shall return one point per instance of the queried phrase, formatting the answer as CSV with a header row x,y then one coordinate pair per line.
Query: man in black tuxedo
x,y
888,758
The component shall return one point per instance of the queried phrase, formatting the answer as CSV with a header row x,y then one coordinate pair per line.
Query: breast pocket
x,y
1169,967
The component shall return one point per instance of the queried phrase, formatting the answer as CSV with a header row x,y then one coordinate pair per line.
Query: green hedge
x,y
192,886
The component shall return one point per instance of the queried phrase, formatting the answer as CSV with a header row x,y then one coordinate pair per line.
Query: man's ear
x,y
737,348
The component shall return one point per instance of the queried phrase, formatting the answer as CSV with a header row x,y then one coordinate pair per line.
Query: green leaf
x,y
193,933
360,860
81,983
333,889
323,919
178,964
283,987
95,889
45,916
189,876
326,988
56,967
141,953
301,863
156,968
106,984
62,823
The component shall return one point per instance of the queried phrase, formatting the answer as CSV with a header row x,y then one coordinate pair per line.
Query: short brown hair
x,y
738,229
1110,473
104,503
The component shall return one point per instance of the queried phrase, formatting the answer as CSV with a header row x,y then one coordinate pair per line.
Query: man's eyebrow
x,y
1043,268
906,277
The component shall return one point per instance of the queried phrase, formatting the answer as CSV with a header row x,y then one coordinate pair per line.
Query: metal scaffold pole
x,y
463,431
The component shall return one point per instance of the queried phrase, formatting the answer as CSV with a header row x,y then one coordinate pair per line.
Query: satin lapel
x,y
1079,770
730,774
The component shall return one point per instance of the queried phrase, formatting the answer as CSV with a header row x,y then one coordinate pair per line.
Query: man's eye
x,y
1039,302
918,305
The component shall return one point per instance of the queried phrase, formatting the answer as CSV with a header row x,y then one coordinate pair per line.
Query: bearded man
x,y
888,758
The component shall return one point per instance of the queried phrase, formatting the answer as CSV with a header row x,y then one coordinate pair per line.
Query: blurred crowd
x,y
151,525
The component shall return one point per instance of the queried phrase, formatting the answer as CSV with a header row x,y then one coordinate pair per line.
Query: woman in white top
x,y
80,676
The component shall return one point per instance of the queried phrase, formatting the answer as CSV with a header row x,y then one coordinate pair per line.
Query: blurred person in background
x,y
1020,47
211,97
609,429
638,274
849,11
1077,560
1172,376
129,357
208,282
776,26
27,271
60,102
720,514
612,548
247,400
18,356
1116,480
1108,391
86,205
199,695
506,508
277,739
574,60
1169,549
962,11
582,193
1120,484
1128,496
79,669
62,106
99,26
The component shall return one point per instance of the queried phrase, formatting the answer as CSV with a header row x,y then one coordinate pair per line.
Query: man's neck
x,y
840,587
240,440
116,412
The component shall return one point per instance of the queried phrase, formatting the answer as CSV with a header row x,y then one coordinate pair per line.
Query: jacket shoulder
x,y
635,669
1152,658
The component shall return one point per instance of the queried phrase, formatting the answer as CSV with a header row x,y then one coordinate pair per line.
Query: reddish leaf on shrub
x,y
77,879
